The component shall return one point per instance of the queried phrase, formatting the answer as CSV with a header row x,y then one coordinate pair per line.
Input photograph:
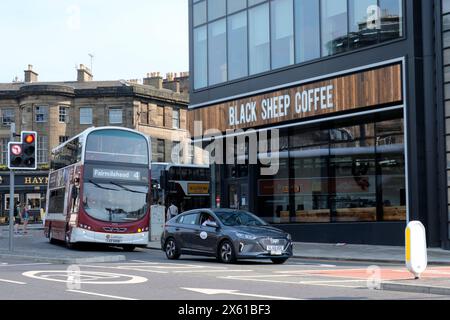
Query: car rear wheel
x,y
279,260
226,252
171,249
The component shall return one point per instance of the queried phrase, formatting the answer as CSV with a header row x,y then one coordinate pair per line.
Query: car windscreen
x,y
239,218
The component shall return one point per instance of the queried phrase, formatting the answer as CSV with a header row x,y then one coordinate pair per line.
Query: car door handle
x,y
177,229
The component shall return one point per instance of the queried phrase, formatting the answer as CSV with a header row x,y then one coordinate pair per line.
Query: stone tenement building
x,y
60,110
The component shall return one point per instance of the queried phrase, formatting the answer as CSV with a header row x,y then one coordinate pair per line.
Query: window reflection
x,y
322,28
342,174
334,27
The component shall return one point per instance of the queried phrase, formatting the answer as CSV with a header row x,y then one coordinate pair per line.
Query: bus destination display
x,y
129,175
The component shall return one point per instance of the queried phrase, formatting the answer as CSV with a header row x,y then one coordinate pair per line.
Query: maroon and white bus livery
x,y
98,189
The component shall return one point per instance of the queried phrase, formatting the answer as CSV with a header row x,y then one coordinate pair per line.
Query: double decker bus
x,y
98,189
185,185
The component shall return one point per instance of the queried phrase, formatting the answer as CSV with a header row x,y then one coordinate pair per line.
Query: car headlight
x,y
245,236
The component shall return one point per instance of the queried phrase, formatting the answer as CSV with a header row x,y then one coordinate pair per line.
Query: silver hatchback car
x,y
226,234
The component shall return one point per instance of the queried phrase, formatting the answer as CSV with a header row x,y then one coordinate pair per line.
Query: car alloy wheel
x,y
172,250
227,252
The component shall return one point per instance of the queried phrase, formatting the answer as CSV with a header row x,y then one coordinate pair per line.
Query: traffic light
x,y
23,155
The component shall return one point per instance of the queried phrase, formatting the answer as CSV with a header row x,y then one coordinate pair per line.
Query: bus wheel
x,y
171,249
128,247
69,244
50,236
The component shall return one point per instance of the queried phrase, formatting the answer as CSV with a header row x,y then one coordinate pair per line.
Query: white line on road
x,y
211,271
24,264
10,281
123,268
329,283
311,265
236,293
100,295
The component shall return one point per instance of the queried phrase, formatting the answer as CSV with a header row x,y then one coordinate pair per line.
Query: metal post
x,y
11,195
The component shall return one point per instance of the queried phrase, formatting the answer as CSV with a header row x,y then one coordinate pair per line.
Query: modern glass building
x,y
357,91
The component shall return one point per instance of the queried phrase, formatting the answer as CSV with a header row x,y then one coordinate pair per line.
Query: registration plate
x,y
114,239
275,250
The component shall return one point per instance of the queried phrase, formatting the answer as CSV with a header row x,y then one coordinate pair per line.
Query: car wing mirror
x,y
212,224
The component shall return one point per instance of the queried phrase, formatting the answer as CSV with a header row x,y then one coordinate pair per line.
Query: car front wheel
x,y
226,252
279,260
171,249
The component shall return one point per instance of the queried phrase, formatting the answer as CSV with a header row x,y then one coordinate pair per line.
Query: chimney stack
x,y
154,79
84,74
30,75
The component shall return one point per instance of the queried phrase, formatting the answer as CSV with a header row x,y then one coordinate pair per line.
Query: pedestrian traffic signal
x,y
23,155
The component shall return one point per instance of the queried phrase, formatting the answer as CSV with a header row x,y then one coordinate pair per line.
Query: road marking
x,y
210,271
87,277
24,264
312,265
10,281
236,293
123,268
318,270
101,295
329,283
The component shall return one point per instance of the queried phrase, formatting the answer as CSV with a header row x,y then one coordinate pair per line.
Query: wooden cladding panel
x,y
372,88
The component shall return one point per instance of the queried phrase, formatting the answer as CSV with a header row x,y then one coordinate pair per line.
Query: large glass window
x,y
363,22
309,152
4,151
262,35
237,46
307,30
216,9
282,27
334,26
343,173
389,146
116,146
176,119
259,37
115,202
63,114
217,52
391,19
8,116
353,174
236,5
115,116
41,114
85,115
200,58
42,149
199,13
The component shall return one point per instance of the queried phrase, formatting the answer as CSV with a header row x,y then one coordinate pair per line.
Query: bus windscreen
x,y
117,146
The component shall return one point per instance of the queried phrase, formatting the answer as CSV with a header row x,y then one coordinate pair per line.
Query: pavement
x,y
436,280
34,246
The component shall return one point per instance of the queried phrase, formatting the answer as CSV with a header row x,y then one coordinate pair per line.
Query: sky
x,y
128,38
